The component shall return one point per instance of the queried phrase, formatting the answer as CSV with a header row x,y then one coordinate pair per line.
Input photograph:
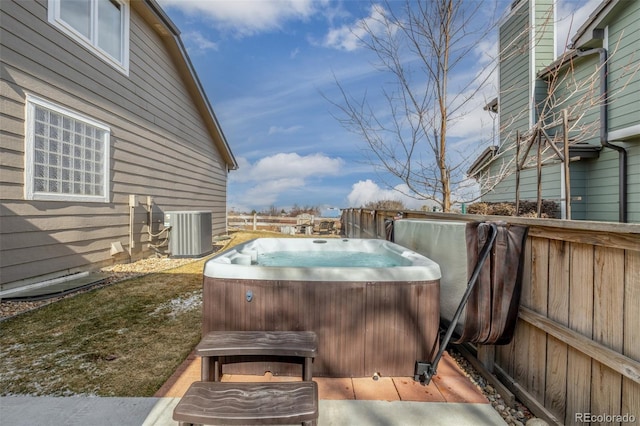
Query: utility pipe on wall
x,y
132,213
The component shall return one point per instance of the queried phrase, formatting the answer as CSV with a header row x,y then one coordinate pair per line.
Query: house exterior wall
x,y
526,46
623,41
601,200
633,180
543,49
515,88
528,186
576,87
579,173
624,108
159,147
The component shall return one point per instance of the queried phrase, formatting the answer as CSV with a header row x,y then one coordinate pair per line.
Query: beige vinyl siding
x,y
160,145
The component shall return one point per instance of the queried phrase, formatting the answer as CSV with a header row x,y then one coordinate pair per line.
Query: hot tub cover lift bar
x,y
424,371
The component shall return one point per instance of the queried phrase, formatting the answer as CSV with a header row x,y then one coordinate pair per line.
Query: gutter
x,y
604,130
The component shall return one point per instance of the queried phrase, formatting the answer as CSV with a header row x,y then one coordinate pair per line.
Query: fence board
x,y
556,379
505,356
631,389
608,310
520,363
579,319
538,300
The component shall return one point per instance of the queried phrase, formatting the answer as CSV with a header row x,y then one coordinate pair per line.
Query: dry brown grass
x,y
125,339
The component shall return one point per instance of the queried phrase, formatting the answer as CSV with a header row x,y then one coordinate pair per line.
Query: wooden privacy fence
x,y
575,355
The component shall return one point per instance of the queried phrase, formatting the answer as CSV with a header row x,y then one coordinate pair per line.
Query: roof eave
x,y
482,161
587,35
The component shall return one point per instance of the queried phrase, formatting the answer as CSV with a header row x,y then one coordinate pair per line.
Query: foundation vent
x,y
190,234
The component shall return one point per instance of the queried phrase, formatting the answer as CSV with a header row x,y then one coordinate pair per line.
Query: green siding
x,y
514,83
579,178
603,199
506,190
624,64
602,187
577,89
544,39
633,180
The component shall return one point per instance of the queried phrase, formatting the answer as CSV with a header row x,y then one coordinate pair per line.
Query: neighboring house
x,y
104,127
597,81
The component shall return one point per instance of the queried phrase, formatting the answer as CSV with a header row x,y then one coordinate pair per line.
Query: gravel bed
x,y
517,416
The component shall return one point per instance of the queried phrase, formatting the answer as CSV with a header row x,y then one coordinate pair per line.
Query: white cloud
x,y
287,165
366,191
198,43
266,180
348,37
247,17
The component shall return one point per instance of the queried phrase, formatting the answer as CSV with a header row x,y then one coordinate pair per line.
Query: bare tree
x,y
420,45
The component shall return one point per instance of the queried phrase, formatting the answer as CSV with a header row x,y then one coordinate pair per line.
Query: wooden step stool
x,y
226,403
217,403
286,344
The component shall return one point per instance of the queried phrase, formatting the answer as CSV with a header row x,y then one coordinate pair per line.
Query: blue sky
x,y
269,68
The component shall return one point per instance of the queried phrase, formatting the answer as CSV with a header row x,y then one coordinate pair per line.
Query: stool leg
x,y
307,369
205,369
217,369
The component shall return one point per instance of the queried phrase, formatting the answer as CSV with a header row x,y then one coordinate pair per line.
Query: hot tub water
x,y
323,259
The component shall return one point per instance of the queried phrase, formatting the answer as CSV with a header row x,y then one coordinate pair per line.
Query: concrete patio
x,y
449,399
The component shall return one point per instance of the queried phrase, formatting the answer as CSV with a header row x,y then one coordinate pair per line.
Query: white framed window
x,y
66,154
100,25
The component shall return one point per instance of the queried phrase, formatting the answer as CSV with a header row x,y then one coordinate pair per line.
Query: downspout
x,y
604,130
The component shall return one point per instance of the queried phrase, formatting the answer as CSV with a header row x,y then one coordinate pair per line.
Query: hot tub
x,y
370,318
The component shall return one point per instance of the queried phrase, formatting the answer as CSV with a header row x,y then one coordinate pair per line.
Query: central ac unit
x,y
190,234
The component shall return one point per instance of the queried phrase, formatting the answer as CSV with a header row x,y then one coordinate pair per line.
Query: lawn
x,y
125,339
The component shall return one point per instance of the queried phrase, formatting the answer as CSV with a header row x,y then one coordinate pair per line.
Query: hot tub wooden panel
x,y
363,327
